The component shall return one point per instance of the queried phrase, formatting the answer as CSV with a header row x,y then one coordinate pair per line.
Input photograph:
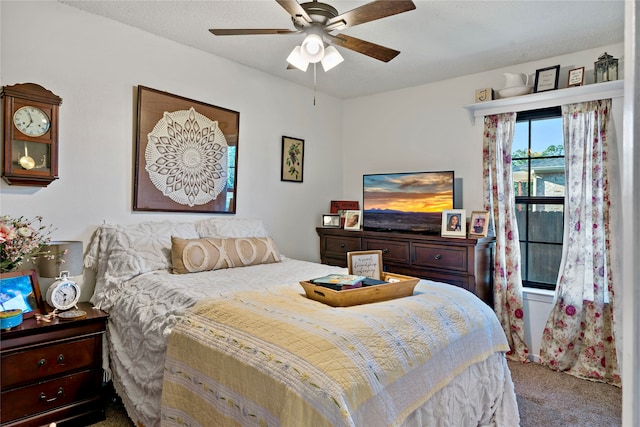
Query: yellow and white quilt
x,y
276,358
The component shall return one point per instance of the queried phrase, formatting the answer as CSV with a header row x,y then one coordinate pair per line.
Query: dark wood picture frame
x,y
331,220
575,77
19,282
151,107
547,79
292,167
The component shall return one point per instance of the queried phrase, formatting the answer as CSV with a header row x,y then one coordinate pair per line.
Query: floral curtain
x,y
578,337
500,201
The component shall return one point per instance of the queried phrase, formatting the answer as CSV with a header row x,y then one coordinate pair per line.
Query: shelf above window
x,y
552,98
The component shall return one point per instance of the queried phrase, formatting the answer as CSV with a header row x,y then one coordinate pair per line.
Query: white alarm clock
x,y
63,294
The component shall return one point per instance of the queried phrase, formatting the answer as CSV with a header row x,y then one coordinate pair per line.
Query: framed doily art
x,y
186,155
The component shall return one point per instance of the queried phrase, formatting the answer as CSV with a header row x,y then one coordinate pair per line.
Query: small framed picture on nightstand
x,y
20,290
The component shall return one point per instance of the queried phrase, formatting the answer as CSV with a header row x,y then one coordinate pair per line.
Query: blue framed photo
x,y
20,290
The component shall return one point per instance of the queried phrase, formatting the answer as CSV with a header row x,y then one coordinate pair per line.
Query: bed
x,y
198,343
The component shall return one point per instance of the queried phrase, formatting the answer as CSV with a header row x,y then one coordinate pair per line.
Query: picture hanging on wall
x,y
292,159
186,155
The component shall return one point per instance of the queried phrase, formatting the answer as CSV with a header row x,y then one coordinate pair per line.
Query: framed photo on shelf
x,y
365,263
576,77
331,220
352,220
547,79
341,206
292,159
454,223
20,290
479,224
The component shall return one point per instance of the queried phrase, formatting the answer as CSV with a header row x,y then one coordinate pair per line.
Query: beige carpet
x,y
545,399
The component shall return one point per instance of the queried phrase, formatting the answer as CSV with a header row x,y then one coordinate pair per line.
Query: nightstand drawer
x,y
38,363
45,396
452,258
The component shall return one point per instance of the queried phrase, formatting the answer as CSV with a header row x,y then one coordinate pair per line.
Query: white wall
x,y
426,128
95,64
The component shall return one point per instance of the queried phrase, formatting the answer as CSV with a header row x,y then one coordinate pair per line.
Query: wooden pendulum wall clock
x,y
30,135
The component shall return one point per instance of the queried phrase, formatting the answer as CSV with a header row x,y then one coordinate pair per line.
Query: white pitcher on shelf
x,y
516,79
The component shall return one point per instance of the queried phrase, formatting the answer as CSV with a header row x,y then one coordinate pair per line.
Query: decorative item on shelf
x,y
331,220
21,240
516,84
352,220
30,135
479,224
10,319
454,223
547,79
485,94
575,77
63,294
19,290
342,206
605,68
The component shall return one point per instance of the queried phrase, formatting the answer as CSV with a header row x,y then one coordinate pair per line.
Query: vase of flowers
x,y
21,240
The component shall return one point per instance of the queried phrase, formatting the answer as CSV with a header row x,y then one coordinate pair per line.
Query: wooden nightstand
x,y
52,372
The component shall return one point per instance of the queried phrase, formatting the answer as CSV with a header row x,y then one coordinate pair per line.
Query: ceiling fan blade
x,y
249,31
373,50
296,11
370,12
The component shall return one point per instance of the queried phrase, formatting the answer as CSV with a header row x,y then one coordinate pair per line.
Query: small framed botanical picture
x,y
292,159
454,223
479,224
352,220
331,220
19,290
576,77
547,79
365,263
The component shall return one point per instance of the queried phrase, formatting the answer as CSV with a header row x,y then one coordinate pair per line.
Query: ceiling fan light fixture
x,y
297,59
313,48
331,58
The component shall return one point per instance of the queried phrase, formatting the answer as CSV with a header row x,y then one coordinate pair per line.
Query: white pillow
x,y
121,252
225,228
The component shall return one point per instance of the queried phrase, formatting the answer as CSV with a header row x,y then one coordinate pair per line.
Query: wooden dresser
x,y
467,263
52,372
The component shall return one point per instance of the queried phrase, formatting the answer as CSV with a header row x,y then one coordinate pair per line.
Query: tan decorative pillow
x,y
194,255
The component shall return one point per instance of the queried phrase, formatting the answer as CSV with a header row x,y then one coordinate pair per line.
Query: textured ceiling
x,y
438,40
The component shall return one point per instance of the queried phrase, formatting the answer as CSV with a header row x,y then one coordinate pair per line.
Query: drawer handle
x,y
60,359
437,257
41,363
341,245
58,394
385,251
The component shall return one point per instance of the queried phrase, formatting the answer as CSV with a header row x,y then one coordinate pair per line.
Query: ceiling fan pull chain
x,y
314,84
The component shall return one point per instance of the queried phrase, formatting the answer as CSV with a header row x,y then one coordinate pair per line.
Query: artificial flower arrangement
x,y
22,240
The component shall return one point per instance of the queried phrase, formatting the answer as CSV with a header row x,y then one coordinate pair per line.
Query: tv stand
x,y
467,263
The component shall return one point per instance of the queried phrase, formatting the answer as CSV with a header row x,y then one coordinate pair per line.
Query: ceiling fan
x,y
318,20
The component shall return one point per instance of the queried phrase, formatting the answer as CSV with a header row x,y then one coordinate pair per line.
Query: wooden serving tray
x,y
348,297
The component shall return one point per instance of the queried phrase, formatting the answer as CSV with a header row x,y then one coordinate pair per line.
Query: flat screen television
x,y
408,201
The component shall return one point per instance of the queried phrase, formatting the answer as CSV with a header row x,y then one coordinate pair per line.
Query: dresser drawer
x,y
45,396
452,258
394,251
337,246
24,366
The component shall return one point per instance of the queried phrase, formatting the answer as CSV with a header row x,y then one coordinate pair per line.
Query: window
x,y
539,181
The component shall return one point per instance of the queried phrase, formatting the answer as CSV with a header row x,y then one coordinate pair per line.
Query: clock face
x,y
63,295
31,121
